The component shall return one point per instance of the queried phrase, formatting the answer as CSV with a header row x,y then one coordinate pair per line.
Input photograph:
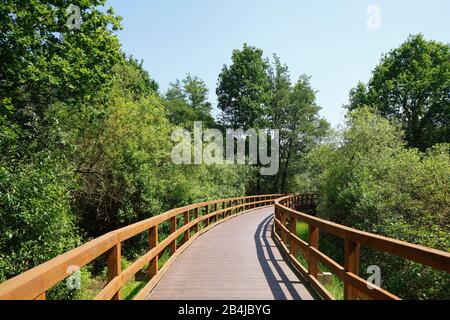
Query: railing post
x,y
188,231
152,243
173,228
196,217
279,219
293,230
283,223
207,219
313,242
351,265
215,210
275,215
114,266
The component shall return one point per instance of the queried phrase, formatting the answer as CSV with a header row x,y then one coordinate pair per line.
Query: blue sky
x,y
328,40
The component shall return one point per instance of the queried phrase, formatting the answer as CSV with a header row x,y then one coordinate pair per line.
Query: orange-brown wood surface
x,y
235,260
233,252
354,286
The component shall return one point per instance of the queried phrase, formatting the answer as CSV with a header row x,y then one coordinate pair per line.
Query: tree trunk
x,y
286,167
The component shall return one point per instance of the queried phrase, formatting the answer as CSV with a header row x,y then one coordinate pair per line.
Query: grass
x,y
335,286
302,230
132,288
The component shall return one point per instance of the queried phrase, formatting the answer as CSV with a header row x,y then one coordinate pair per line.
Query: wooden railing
x,y
355,287
33,284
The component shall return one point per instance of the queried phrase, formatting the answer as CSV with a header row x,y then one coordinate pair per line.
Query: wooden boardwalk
x,y
235,260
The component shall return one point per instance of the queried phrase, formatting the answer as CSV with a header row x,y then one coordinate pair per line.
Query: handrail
x,y
33,284
355,287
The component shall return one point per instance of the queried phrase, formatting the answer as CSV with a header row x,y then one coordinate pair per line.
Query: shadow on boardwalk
x,y
270,264
236,260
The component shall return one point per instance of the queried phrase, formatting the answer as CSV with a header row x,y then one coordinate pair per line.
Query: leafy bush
x,y
35,217
371,181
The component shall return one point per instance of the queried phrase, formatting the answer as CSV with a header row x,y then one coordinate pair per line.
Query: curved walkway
x,y
236,260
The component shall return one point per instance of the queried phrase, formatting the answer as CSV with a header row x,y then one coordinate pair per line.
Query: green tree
x,y
187,101
412,84
243,90
369,180
294,112
42,61
121,151
36,222
43,65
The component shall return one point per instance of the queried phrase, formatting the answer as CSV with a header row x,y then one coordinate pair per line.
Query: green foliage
x,y
85,144
372,182
35,217
43,61
295,114
187,101
243,90
412,84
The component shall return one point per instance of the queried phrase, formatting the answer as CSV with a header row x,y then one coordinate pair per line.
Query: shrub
x,y
371,181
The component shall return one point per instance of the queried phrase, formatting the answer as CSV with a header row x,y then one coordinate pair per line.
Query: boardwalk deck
x,y
235,260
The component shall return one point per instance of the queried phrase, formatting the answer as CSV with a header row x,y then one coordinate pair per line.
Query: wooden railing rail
x,y
33,284
286,217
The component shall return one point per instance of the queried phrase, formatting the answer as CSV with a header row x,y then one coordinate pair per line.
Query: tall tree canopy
x,y
412,84
43,60
243,90
187,101
293,111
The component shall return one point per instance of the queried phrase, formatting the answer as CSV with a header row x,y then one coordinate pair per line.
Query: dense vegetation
x,y
85,142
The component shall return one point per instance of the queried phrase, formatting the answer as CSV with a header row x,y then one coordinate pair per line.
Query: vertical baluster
x,y
313,242
152,243
173,228
187,233
216,216
207,213
275,214
283,223
351,265
293,230
196,217
114,266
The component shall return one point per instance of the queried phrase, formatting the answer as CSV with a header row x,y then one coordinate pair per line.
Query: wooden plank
x,y
351,265
151,284
186,221
195,218
233,265
320,289
152,243
207,214
114,266
32,283
338,270
173,228
293,230
313,242
434,258
41,297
